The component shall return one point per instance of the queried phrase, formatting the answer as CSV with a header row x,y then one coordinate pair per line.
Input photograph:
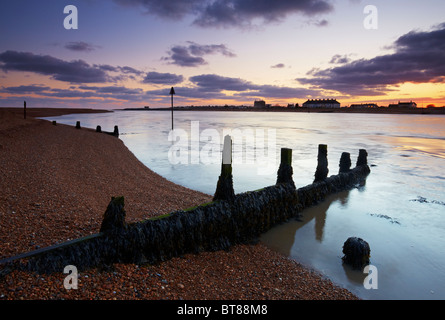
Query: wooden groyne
x,y
228,220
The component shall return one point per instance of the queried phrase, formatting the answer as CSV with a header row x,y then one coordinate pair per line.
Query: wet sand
x,y
56,182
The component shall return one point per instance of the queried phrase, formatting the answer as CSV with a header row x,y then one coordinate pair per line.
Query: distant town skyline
x,y
115,54
261,103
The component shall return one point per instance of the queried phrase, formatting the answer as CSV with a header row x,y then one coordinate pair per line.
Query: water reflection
x,y
354,276
318,213
284,239
283,236
432,147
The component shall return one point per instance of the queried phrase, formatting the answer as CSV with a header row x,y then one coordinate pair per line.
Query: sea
x,y
399,211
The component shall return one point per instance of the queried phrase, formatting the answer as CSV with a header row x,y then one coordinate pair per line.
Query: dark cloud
x,y
212,86
231,13
192,55
113,90
418,58
106,92
80,46
270,91
190,93
201,50
125,70
44,102
322,23
240,13
181,56
206,87
243,88
214,83
69,93
25,89
120,73
163,78
76,71
278,66
106,67
48,92
171,9
339,59
130,70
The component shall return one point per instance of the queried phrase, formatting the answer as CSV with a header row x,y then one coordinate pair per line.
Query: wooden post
x,y
98,129
362,158
224,187
78,125
345,162
322,167
226,167
227,150
286,156
24,109
116,131
172,92
172,111
114,216
285,170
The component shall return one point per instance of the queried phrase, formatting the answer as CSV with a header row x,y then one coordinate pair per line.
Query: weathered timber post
x,y
24,109
78,125
345,162
54,123
224,187
98,129
362,158
285,170
322,167
114,216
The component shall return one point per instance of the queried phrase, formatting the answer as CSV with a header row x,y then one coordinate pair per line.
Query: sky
x,y
117,54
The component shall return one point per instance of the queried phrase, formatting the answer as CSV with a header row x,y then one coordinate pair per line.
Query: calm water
x,y
400,211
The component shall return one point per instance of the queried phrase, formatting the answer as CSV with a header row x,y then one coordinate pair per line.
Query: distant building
x,y
322,103
364,106
410,104
259,104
